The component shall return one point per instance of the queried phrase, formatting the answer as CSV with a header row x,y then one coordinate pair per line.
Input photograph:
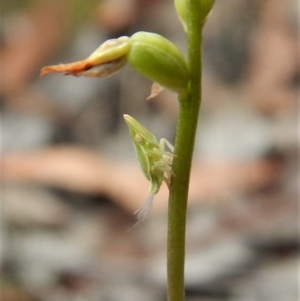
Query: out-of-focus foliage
x,y
82,9
15,5
79,9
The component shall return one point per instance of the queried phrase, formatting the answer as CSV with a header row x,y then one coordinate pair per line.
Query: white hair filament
x,y
142,212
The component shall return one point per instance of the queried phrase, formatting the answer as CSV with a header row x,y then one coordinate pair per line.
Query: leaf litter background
x,y
70,182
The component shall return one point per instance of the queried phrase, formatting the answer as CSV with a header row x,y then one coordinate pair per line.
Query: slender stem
x,y
184,146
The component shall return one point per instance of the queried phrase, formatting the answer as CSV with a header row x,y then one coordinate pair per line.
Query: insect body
x,y
155,162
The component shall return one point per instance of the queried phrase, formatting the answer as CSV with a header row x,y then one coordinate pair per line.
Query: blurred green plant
x,y
161,61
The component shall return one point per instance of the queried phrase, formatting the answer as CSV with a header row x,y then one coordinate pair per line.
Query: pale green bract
x,y
155,161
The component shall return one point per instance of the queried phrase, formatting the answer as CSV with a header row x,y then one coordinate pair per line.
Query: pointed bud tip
x,y
45,70
128,119
73,68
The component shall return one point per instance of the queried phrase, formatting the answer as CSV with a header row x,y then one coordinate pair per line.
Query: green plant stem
x,y
184,145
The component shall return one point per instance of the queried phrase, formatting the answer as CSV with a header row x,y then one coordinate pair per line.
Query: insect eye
x,y
138,138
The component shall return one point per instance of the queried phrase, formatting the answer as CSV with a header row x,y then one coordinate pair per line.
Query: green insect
x,y
155,162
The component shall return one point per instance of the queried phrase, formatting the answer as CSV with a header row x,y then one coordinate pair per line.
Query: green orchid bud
x,y
159,60
205,7
148,53
182,11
